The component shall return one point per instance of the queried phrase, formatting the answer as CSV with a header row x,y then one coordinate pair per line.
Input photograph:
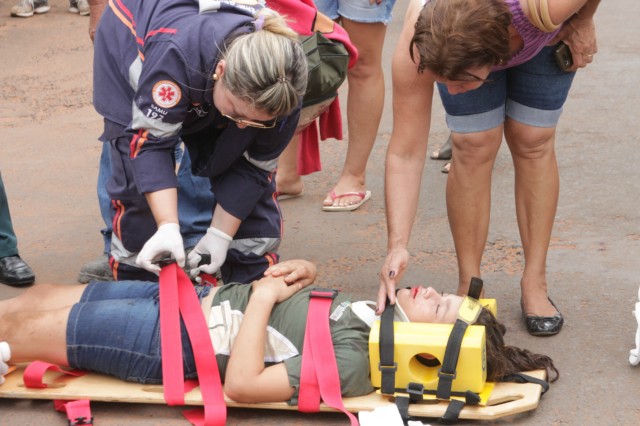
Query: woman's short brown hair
x,y
452,36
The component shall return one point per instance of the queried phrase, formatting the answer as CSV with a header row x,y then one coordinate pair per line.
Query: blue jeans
x,y
357,10
8,240
195,200
532,93
115,329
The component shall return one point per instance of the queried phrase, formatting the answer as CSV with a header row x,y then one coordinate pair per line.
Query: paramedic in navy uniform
x,y
225,77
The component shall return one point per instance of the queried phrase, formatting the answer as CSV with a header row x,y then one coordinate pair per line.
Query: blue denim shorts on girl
x,y
130,348
357,10
532,93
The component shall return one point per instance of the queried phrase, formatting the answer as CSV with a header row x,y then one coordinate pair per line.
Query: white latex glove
x,y
3,370
167,239
5,356
215,243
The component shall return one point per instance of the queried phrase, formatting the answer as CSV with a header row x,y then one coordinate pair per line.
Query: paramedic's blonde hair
x,y
267,67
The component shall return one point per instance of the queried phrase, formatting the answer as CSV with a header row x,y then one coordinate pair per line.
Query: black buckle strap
x,y
415,391
326,293
416,394
525,378
402,403
447,373
475,288
81,421
387,365
453,412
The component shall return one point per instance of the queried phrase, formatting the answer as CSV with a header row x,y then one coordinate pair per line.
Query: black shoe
x,y
15,272
96,270
543,326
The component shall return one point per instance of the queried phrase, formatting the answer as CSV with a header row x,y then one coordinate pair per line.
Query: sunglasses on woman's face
x,y
249,123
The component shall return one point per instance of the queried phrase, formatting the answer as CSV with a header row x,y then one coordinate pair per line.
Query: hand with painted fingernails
x,y
391,273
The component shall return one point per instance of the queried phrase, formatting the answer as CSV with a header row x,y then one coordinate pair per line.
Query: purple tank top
x,y
534,39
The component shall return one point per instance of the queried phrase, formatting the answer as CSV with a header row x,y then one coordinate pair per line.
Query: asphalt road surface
x,y
49,160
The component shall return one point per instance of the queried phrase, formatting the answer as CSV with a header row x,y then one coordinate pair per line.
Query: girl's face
x,y
455,87
427,305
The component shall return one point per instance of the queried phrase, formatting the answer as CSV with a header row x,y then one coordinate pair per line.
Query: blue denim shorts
x,y
115,329
532,93
357,10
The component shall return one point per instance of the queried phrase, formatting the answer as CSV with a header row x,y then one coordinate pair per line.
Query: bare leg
x,y
365,101
536,192
288,181
42,297
36,335
469,199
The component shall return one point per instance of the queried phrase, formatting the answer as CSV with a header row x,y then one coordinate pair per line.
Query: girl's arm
x,y
247,378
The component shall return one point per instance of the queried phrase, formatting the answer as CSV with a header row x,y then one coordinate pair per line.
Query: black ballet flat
x,y
542,326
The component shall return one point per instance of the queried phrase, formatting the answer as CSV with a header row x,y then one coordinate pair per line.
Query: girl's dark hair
x,y
452,36
503,360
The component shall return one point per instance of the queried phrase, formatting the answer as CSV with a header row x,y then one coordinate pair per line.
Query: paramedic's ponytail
x,y
267,67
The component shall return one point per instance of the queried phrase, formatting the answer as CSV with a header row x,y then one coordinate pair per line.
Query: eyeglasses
x,y
249,123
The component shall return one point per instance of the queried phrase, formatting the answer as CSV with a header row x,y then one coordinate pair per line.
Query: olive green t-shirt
x,y
285,336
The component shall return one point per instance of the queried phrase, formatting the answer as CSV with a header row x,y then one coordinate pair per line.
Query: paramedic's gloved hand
x,y
215,243
167,239
5,356
3,370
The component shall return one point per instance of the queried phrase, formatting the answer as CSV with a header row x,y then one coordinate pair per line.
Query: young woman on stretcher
x,y
113,328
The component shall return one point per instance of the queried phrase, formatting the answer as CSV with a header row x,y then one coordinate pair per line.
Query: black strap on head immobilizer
x,y
387,365
467,315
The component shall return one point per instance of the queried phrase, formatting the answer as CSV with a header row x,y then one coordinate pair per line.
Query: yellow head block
x,y
491,305
413,339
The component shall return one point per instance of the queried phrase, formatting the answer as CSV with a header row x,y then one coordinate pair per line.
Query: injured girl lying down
x,y
113,328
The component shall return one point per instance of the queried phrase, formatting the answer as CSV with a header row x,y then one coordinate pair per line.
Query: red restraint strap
x,y
78,412
319,371
177,295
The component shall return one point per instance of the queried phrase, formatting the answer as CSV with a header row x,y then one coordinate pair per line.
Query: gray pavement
x,y
49,158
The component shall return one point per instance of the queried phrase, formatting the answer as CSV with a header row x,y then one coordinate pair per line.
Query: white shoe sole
x,y
37,10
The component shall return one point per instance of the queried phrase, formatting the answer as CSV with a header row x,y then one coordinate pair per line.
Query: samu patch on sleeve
x,y
166,94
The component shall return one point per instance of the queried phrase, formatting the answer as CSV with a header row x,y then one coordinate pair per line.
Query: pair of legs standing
x,y
13,270
536,197
366,25
523,103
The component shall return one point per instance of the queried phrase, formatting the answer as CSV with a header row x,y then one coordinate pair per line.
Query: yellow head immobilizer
x,y
415,352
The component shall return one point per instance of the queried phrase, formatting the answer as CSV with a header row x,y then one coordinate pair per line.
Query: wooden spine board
x,y
507,398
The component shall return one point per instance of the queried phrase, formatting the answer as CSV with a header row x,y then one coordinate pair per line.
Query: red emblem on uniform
x,y
166,94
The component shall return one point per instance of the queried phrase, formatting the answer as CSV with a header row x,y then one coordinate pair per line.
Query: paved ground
x,y
49,157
